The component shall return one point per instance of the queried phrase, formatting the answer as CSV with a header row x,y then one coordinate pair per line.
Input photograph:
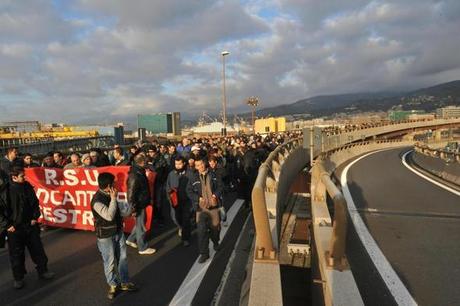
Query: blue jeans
x,y
113,251
137,235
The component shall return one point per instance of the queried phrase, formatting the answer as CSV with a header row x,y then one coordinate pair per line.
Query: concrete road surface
x,y
415,224
80,280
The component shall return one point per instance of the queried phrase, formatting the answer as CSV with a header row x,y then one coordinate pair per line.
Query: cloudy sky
x,y
102,60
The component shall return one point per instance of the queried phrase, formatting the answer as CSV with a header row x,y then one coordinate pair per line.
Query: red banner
x,y
65,195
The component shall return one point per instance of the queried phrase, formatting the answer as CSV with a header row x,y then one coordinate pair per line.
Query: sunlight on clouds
x,y
165,55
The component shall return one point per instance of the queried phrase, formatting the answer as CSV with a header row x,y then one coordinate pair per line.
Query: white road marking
x,y
404,161
389,276
192,281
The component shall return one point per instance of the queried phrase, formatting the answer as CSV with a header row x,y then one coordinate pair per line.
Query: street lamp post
x,y
224,96
253,102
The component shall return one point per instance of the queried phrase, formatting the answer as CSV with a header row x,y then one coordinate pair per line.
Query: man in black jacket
x,y
10,160
139,197
242,178
119,157
3,203
108,222
157,164
181,205
18,216
28,161
205,190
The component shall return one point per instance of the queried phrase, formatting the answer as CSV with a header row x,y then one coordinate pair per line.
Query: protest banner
x,y
65,195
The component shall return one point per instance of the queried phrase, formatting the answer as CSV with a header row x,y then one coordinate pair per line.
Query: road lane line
x,y
389,276
189,287
404,161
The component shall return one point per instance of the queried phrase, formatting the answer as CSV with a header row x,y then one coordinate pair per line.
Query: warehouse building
x,y
160,123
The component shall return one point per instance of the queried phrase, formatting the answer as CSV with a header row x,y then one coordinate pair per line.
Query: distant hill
x,y
427,99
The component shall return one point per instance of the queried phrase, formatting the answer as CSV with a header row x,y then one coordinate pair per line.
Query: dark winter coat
x,y
138,188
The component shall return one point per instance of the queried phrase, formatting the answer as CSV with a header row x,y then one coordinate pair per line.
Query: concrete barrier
x,y
444,165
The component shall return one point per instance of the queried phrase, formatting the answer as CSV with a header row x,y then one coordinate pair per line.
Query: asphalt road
x,y
415,223
80,280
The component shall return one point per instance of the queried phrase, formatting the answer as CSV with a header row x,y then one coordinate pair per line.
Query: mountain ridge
x,y
427,98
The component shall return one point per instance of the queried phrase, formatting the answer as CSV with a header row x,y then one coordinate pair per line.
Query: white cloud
x,y
93,58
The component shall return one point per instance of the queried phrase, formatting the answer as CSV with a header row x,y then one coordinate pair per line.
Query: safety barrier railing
x,y
426,122
330,141
63,145
446,155
335,255
267,181
265,280
331,233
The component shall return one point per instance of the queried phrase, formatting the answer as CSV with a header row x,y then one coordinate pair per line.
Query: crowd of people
x,y
192,179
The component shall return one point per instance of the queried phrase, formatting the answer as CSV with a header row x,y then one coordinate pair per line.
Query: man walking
x,y
10,160
205,190
119,157
28,161
19,212
108,222
181,206
157,163
139,197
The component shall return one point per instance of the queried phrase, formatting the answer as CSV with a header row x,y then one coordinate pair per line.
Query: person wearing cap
x,y
195,149
86,161
48,161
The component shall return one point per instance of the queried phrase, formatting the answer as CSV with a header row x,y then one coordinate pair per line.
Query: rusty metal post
x,y
264,250
336,254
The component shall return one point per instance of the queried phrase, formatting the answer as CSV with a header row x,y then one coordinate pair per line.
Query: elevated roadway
x,y
411,251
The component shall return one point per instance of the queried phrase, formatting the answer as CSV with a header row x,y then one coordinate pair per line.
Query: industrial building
x,y
214,128
448,112
400,115
160,123
270,125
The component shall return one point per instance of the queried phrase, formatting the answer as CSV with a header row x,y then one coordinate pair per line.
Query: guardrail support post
x,y
264,252
336,256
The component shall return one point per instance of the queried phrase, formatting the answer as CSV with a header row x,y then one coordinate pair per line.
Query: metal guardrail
x,y
266,288
267,181
327,141
327,152
322,172
338,283
448,156
64,145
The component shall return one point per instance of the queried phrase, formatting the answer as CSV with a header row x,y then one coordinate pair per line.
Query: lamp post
x,y
224,96
253,102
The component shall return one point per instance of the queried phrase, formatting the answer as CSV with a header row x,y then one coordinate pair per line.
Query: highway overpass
x,y
382,233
